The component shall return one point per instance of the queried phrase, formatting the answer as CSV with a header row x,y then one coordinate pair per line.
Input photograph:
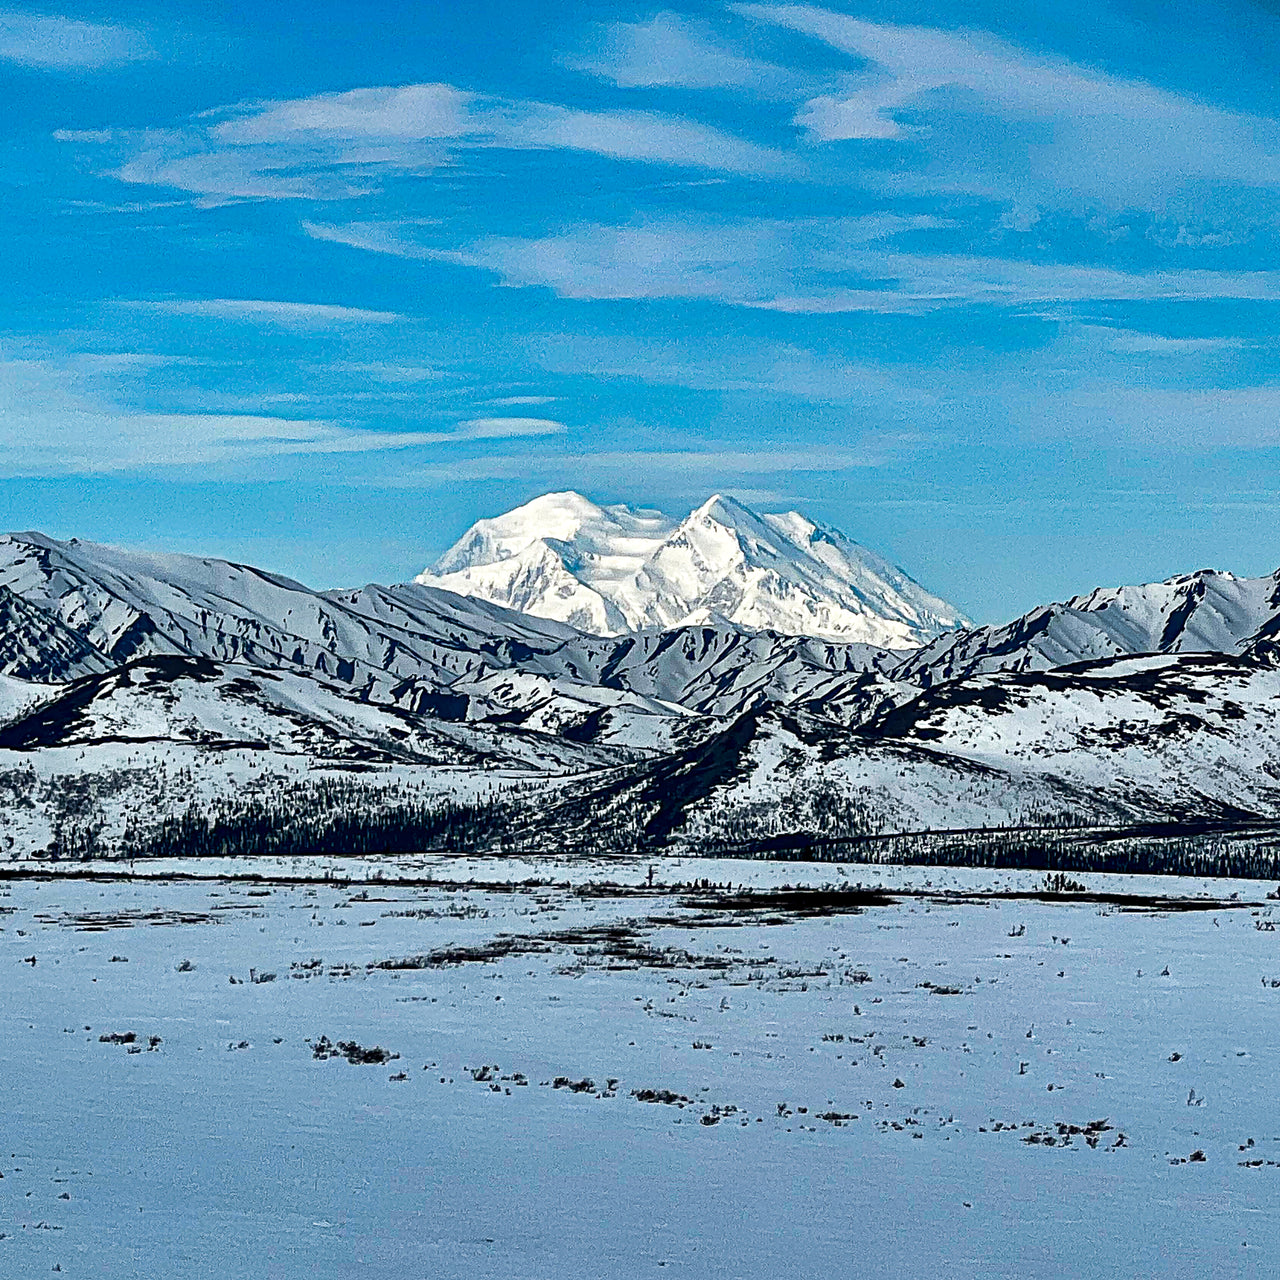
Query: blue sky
x,y
991,287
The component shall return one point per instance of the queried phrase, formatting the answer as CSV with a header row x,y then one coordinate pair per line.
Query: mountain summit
x,y
615,569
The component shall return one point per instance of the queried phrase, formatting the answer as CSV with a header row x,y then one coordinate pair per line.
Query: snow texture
x,y
608,570
467,1077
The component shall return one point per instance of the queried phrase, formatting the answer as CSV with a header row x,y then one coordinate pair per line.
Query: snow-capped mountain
x,y
719,671
1180,738
107,606
724,671
559,556
609,570
1204,612
195,702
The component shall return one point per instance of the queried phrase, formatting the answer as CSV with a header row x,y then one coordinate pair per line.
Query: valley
x,y
468,1066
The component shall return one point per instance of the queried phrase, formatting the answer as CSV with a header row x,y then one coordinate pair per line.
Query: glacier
x,y
609,570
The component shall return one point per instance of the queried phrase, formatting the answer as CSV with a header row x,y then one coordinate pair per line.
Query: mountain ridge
x,y
136,688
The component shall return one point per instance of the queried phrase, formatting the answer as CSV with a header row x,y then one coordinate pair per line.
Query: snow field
x,y
608,1082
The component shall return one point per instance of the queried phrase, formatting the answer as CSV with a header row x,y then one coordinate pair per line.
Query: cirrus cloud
x,y
335,146
57,419
283,315
804,266
979,115
52,43
673,51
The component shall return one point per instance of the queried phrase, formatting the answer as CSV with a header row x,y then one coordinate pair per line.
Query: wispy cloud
x,y
58,419
742,263
103,443
443,114
398,239
1176,419
342,145
53,43
674,51
508,428
116,362
618,468
919,283
284,315
806,266
1134,342
181,160
645,136
413,112
773,369
394,238
394,374
985,117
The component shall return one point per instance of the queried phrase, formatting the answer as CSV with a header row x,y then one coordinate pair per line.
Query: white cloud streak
x,y
51,43
411,112
393,238
673,51
53,423
282,315
443,114
342,145
1134,342
1178,419
777,369
508,428
700,467
1057,129
809,266
921,283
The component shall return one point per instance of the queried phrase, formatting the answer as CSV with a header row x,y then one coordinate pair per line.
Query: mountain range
x,y
139,691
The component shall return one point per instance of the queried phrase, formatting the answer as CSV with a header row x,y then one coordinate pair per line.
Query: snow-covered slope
x,y
123,604
719,671
88,608
1204,612
608,570
222,706
724,671
1188,735
1182,738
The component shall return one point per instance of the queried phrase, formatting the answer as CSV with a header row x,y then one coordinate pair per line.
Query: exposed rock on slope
x,y
35,645
196,702
1205,612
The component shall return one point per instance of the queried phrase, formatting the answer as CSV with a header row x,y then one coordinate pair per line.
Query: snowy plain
x,y
605,1072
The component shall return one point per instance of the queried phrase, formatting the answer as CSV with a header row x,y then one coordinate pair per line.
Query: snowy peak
x,y
559,557
728,512
610,570
615,539
90,607
1204,612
